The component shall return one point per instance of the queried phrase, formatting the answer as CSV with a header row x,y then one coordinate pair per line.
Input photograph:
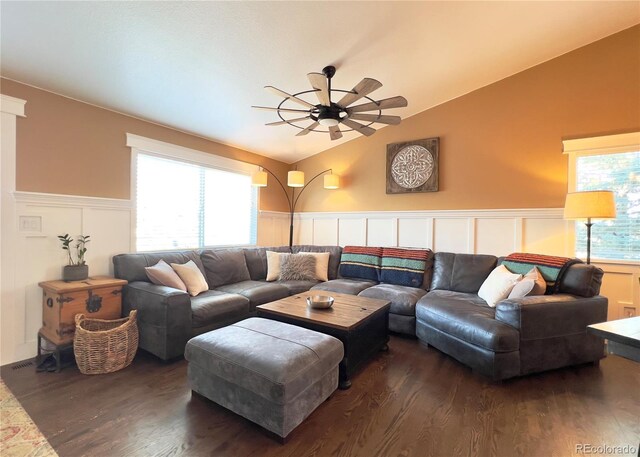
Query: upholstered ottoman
x,y
272,373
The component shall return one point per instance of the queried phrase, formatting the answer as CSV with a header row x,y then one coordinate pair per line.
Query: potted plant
x,y
77,269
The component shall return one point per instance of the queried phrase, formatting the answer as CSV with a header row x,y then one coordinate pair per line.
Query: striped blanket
x,y
404,267
360,262
552,268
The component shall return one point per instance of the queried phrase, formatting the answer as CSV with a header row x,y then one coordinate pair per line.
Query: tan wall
x,y
70,147
500,146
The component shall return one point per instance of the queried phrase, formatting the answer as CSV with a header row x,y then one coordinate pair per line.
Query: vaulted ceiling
x,y
199,66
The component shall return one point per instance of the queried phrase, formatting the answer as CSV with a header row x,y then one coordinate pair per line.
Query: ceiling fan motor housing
x,y
329,116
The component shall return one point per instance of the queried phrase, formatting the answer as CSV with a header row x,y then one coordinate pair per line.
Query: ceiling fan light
x,y
328,122
295,179
259,179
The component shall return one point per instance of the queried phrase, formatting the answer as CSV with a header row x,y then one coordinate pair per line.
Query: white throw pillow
x,y
498,285
532,284
192,277
273,264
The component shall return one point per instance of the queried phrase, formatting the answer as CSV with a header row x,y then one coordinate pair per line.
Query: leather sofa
x,y
515,338
168,318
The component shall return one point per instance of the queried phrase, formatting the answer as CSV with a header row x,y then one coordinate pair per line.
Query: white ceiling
x,y
199,66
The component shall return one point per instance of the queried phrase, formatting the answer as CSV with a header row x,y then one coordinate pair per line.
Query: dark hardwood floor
x,y
410,401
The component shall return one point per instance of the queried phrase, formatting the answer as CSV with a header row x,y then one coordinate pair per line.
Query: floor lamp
x,y
295,180
588,205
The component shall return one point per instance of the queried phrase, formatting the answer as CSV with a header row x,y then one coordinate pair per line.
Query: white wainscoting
x,y
498,232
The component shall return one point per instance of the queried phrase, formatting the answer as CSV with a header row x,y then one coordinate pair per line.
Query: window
x,y
183,204
616,169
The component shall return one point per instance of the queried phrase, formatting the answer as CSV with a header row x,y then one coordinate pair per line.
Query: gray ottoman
x,y
269,372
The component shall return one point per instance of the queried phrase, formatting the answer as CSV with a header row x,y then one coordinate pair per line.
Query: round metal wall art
x,y
412,166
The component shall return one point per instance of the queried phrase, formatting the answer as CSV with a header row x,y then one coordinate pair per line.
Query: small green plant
x,y
80,248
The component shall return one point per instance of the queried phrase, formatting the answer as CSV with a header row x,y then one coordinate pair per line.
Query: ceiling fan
x,y
334,115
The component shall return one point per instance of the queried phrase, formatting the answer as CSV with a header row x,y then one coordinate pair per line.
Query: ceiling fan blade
x,y
308,129
284,110
393,120
387,103
363,88
319,83
335,133
282,93
288,121
363,129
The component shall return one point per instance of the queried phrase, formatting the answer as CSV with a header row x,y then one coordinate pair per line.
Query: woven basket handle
x,y
132,315
79,318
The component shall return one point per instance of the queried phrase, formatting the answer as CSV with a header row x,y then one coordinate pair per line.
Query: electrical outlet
x,y
629,311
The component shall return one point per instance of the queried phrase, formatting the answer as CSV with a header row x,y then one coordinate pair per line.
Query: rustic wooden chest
x,y
99,297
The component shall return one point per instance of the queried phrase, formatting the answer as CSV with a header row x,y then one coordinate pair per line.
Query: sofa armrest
x,y
549,316
164,316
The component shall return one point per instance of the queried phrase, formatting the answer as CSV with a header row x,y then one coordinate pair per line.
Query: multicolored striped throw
x,y
404,267
552,268
360,262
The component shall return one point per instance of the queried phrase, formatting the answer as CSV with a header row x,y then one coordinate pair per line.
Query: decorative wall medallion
x,y
412,166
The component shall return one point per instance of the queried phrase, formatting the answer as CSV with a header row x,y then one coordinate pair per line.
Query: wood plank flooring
x,y
410,401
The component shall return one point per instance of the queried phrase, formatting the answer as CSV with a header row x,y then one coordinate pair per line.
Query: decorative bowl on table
x,y
319,301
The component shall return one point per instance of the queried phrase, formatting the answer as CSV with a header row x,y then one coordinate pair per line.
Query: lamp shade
x,y
259,179
596,204
295,179
331,181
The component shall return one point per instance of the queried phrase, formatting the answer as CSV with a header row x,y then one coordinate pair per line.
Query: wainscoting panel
x,y
415,232
452,235
547,236
495,236
382,232
325,232
352,232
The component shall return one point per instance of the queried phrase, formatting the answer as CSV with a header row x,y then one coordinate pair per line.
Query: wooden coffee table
x,y
360,323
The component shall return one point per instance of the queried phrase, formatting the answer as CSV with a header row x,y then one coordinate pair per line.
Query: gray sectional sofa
x,y
516,337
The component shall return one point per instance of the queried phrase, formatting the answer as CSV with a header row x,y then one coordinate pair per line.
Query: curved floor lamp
x,y
295,179
594,204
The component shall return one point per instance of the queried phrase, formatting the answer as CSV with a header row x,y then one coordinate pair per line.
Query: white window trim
x,y
149,146
599,145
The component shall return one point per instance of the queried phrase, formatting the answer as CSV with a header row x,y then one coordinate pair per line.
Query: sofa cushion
x,y
468,318
345,286
404,267
403,299
213,305
498,285
298,267
132,266
224,266
334,256
461,272
256,259
582,280
297,287
361,262
258,292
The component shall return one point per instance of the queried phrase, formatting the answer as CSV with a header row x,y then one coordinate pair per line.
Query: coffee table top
x,y
346,313
624,331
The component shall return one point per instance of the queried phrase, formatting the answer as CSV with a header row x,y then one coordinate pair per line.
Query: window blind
x,y
181,205
617,238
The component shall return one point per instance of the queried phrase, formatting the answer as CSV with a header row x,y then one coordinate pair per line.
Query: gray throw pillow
x,y
298,267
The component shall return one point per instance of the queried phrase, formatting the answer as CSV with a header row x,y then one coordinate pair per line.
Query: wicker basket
x,y
104,346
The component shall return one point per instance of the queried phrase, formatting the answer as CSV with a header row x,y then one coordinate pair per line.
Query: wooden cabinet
x,y
99,297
